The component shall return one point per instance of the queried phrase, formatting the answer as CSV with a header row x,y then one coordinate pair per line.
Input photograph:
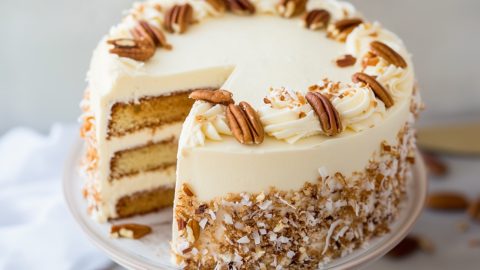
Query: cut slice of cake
x,y
297,147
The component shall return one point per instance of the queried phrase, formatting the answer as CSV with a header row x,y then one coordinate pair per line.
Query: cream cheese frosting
x,y
392,77
209,122
287,116
357,105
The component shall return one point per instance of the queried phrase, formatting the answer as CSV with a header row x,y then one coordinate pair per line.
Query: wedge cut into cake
x,y
293,121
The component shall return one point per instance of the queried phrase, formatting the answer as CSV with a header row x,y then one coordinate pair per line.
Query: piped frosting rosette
x,y
287,116
207,121
356,104
397,80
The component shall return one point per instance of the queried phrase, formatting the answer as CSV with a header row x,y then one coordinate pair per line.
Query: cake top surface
x,y
266,60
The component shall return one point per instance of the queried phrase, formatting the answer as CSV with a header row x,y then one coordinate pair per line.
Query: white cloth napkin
x,y
36,229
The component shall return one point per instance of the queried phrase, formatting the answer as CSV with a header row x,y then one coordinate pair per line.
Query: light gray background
x,y
46,47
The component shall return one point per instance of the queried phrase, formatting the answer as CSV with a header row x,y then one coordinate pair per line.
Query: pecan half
x,y
187,190
181,224
342,28
244,123
193,230
346,61
376,87
384,51
474,210
213,96
291,8
347,25
447,201
147,30
178,18
136,49
434,164
316,19
406,247
218,5
327,114
130,230
240,7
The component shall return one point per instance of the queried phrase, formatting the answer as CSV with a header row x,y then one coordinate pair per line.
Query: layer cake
x,y
294,147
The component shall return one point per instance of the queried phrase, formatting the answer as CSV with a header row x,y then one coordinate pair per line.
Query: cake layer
x,y
148,112
149,157
114,191
140,138
142,202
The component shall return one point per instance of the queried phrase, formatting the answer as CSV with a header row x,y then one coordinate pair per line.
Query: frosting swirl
x,y
266,6
396,80
206,121
338,9
357,106
358,42
288,116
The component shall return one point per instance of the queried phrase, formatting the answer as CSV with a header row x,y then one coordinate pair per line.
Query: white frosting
x,y
398,81
358,107
265,6
219,168
203,10
206,121
288,116
338,9
129,185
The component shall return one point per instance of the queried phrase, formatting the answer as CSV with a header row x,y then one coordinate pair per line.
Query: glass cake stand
x,y
153,251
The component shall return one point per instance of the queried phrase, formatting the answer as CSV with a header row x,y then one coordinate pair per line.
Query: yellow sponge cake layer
x,y
148,112
150,157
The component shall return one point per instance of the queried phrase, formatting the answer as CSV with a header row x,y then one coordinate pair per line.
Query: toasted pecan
x,y
245,124
346,60
291,8
136,49
213,96
474,210
146,29
135,231
327,114
376,87
316,19
218,5
447,201
347,24
240,7
386,52
178,18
